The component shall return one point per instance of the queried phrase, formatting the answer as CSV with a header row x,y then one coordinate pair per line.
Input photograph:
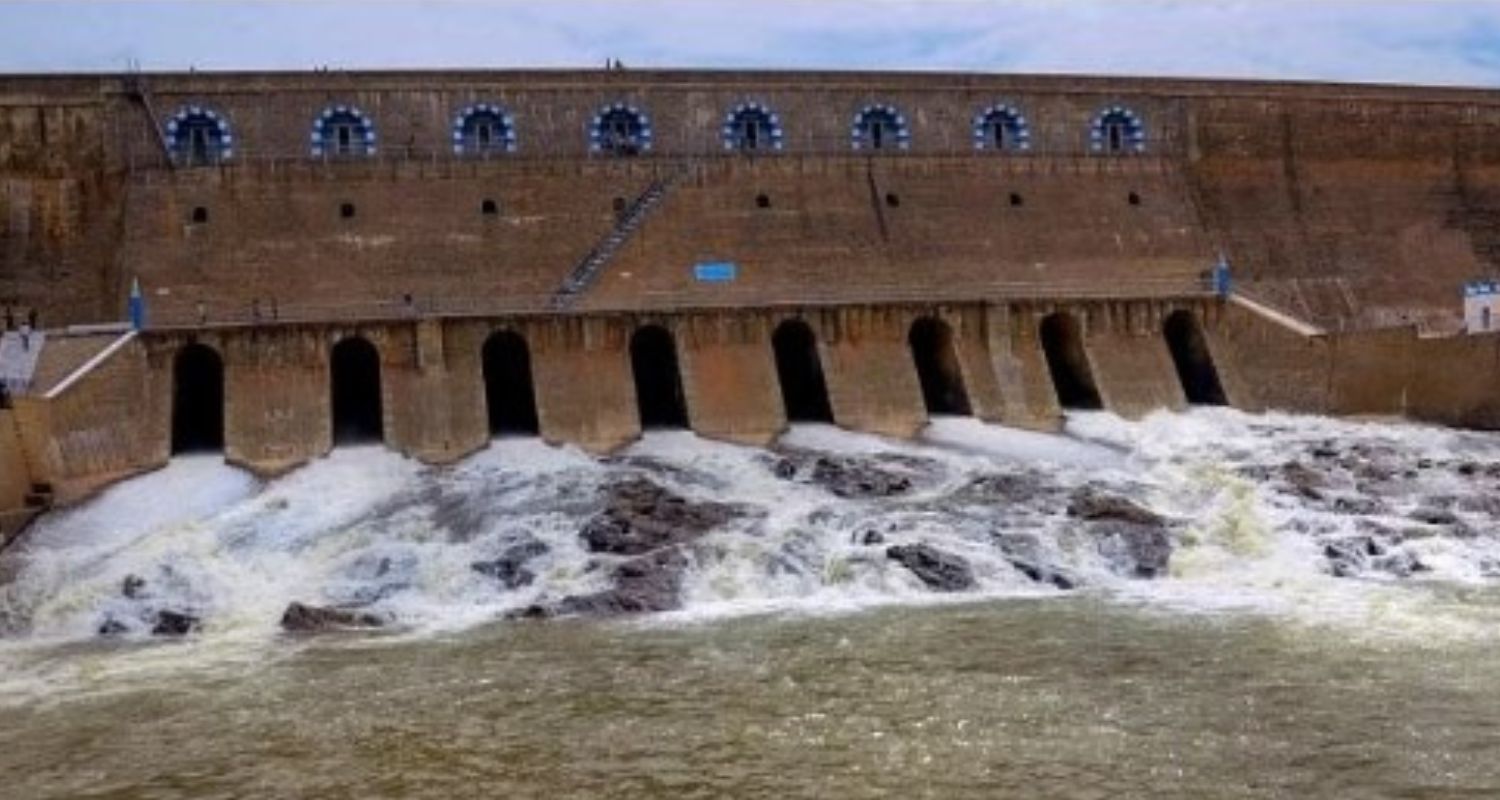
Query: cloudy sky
x,y
1406,41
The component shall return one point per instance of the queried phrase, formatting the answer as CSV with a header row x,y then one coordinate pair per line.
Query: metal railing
x,y
716,298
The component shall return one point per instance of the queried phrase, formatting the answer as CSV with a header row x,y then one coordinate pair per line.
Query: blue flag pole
x,y
137,305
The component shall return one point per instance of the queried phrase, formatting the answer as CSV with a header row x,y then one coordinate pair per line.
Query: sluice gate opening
x,y
804,390
358,415
1195,365
658,380
938,369
1072,377
509,392
197,400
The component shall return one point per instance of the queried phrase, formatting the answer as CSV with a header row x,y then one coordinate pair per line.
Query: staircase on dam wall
x,y
588,270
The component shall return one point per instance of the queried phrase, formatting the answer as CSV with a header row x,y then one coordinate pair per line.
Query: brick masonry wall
x,y
116,420
15,477
1362,203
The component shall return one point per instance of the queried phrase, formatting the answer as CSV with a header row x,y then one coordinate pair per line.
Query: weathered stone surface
x,y
853,477
1042,573
300,618
647,584
133,587
1351,556
1089,503
942,571
1304,480
1134,549
510,568
641,517
175,623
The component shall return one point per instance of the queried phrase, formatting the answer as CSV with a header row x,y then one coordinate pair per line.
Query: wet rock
x,y
1358,506
133,587
175,623
1401,564
942,571
1324,450
510,568
113,627
871,538
1305,481
852,477
641,517
1350,556
1043,574
1430,515
1089,503
643,585
1133,549
1009,489
1356,555
300,618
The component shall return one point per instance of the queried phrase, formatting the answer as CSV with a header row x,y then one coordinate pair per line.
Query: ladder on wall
x,y
588,270
139,90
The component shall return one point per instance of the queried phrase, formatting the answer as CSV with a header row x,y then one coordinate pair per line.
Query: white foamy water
x,y
1377,529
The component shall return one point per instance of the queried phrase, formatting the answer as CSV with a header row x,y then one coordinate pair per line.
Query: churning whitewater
x,y
1382,528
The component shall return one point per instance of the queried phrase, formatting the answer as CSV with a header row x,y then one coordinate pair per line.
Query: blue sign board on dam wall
x,y
715,272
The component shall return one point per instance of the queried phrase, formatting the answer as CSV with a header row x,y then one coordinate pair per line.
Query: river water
x,y
1197,605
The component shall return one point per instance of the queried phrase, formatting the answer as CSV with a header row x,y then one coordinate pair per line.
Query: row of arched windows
x,y
201,135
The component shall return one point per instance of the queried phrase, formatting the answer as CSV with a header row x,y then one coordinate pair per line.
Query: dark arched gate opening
x,y
938,369
1069,364
355,375
804,392
509,393
197,400
658,381
1195,366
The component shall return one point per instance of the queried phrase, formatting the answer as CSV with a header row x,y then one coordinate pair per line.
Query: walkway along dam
x,y
432,259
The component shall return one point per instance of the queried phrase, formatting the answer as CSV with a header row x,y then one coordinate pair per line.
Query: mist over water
x,y
1008,585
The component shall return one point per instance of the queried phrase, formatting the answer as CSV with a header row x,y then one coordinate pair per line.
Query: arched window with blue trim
x,y
752,127
1117,130
483,129
620,130
199,136
1002,128
343,132
880,127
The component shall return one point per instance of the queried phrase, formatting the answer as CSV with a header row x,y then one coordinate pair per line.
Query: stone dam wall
x,y
411,292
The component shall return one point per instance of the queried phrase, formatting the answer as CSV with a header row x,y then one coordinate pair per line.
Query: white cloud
x,y
1412,41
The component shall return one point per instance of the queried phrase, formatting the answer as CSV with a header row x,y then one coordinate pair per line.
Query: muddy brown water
x,y
1053,698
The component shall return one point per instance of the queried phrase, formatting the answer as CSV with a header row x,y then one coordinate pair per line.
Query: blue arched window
x,y
880,127
199,136
620,130
483,129
1002,128
1117,130
752,127
343,132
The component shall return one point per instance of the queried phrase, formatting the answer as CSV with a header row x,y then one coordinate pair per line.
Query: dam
x,y
426,259
625,433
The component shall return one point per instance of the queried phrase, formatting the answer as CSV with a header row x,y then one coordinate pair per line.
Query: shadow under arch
x,y
1068,362
197,400
1195,365
799,370
354,378
658,379
509,389
938,368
